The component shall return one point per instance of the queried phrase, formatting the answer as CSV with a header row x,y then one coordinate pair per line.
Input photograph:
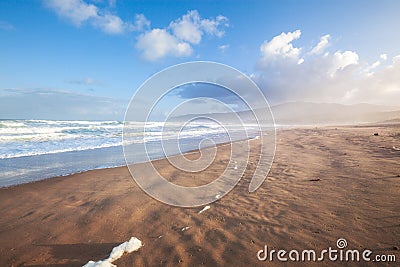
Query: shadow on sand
x,y
76,254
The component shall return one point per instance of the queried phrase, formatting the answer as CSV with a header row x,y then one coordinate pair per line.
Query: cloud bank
x,y
58,105
84,81
288,73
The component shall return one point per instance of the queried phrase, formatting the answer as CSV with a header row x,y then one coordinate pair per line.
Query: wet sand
x,y
325,183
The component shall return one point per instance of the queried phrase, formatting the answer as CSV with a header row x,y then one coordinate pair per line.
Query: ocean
x,y
33,150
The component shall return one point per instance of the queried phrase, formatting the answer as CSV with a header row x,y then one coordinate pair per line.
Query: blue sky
x,y
101,51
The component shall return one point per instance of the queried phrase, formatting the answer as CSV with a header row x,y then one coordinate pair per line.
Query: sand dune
x,y
325,183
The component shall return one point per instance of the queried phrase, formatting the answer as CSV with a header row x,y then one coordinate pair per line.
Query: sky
x,y
84,59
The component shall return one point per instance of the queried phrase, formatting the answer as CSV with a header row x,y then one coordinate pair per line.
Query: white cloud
x,y
191,27
84,81
320,47
187,28
80,12
110,24
159,43
177,39
76,11
340,76
342,60
223,48
369,69
281,47
141,23
383,85
212,27
375,64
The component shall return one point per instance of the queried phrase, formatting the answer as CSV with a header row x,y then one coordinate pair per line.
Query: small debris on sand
x,y
315,180
376,134
185,228
396,248
204,209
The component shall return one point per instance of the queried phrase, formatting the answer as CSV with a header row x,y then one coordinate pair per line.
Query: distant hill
x,y
394,121
305,113
331,113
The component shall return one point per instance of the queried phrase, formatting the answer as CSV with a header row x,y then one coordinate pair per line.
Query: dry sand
x,y
326,183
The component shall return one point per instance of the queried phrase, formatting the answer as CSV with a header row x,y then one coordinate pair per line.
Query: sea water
x,y
32,150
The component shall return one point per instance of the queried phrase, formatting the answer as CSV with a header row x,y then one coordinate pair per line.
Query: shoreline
x,y
103,167
278,129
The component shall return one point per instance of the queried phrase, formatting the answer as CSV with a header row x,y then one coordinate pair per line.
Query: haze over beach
x,y
280,119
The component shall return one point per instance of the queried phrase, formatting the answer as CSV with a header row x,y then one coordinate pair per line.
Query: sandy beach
x,y
325,183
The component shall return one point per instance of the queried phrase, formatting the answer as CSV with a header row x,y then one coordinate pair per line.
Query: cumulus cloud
x,y
381,86
187,28
280,47
191,27
141,23
79,12
320,47
110,24
178,38
342,60
212,26
288,73
369,70
158,43
76,11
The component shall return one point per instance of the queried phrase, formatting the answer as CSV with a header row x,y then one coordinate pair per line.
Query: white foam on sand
x,y
204,209
127,247
255,138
